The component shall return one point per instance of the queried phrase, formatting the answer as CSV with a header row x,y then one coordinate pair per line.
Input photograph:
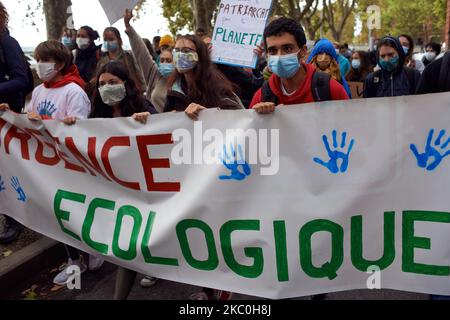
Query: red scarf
x,y
71,76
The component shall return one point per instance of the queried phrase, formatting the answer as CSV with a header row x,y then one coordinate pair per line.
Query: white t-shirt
x,y
60,103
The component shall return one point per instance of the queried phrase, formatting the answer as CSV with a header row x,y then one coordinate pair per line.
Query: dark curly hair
x,y
4,19
134,101
285,25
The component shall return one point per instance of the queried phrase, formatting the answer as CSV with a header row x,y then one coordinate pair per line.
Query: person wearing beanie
x,y
325,58
166,42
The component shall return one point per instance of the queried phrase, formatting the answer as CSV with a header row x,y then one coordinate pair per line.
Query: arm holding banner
x,y
144,59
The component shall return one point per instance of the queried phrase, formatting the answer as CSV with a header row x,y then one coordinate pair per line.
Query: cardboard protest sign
x,y
115,9
315,198
239,29
357,89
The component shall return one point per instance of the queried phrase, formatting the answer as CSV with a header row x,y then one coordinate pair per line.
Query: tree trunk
x,y
58,16
447,27
203,13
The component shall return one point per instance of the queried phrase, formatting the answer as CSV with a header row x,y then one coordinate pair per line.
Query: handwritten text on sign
x,y
239,29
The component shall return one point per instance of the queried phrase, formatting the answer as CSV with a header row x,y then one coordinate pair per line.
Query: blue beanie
x,y
323,46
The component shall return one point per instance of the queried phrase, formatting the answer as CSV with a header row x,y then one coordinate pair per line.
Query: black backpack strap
x,y
267,94
444,74
320,86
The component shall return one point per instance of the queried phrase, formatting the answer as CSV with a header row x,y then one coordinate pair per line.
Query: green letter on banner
x,y
410,242
213,261
389,244
145,249
87,225
329,269
64,215
279,228
227,229
134,213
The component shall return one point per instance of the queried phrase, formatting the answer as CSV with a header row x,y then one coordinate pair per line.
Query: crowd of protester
x,y
82,80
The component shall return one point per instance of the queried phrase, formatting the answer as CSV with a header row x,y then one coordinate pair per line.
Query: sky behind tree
x,y
85,12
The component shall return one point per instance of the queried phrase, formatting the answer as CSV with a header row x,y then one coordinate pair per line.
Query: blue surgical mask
x,y
166,69
66,41
284,66
110,46
405,50
390,65
356,64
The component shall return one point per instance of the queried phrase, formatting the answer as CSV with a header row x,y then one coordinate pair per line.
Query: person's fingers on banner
x,y
141,117
70,121
264,107
193,111
4,107
33,116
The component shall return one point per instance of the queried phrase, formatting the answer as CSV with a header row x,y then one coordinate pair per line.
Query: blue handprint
x,y
2,184
16,185
432,151
233,164
336,154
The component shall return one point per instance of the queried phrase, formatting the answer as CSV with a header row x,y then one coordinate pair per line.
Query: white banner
x,y
115,9
316,199
239,29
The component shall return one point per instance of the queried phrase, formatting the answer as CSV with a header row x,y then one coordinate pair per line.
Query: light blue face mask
x,y
356,64
66,41
284,66
166,69
110,46
405,50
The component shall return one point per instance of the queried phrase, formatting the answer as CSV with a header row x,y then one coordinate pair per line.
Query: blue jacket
x,y
14,80
400,82
325,46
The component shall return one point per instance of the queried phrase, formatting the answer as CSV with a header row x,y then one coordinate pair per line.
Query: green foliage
x,y
178,14
419,18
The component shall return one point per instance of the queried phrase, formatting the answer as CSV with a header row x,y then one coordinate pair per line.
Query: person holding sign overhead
x,y
155,73
292,81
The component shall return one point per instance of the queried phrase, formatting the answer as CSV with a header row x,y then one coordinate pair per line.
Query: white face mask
x,y
46,70
113,94
430,56
83,43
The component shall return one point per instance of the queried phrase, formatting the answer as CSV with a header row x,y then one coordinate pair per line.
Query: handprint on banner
x,y
2,184
432,152
16,185
233,164
336,154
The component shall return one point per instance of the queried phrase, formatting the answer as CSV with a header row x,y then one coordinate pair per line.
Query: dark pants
x,y
125,279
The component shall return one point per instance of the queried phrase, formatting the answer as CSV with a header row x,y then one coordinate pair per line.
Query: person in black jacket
x,y
14,79
432,50
14,83
87,54
394,79
436,76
